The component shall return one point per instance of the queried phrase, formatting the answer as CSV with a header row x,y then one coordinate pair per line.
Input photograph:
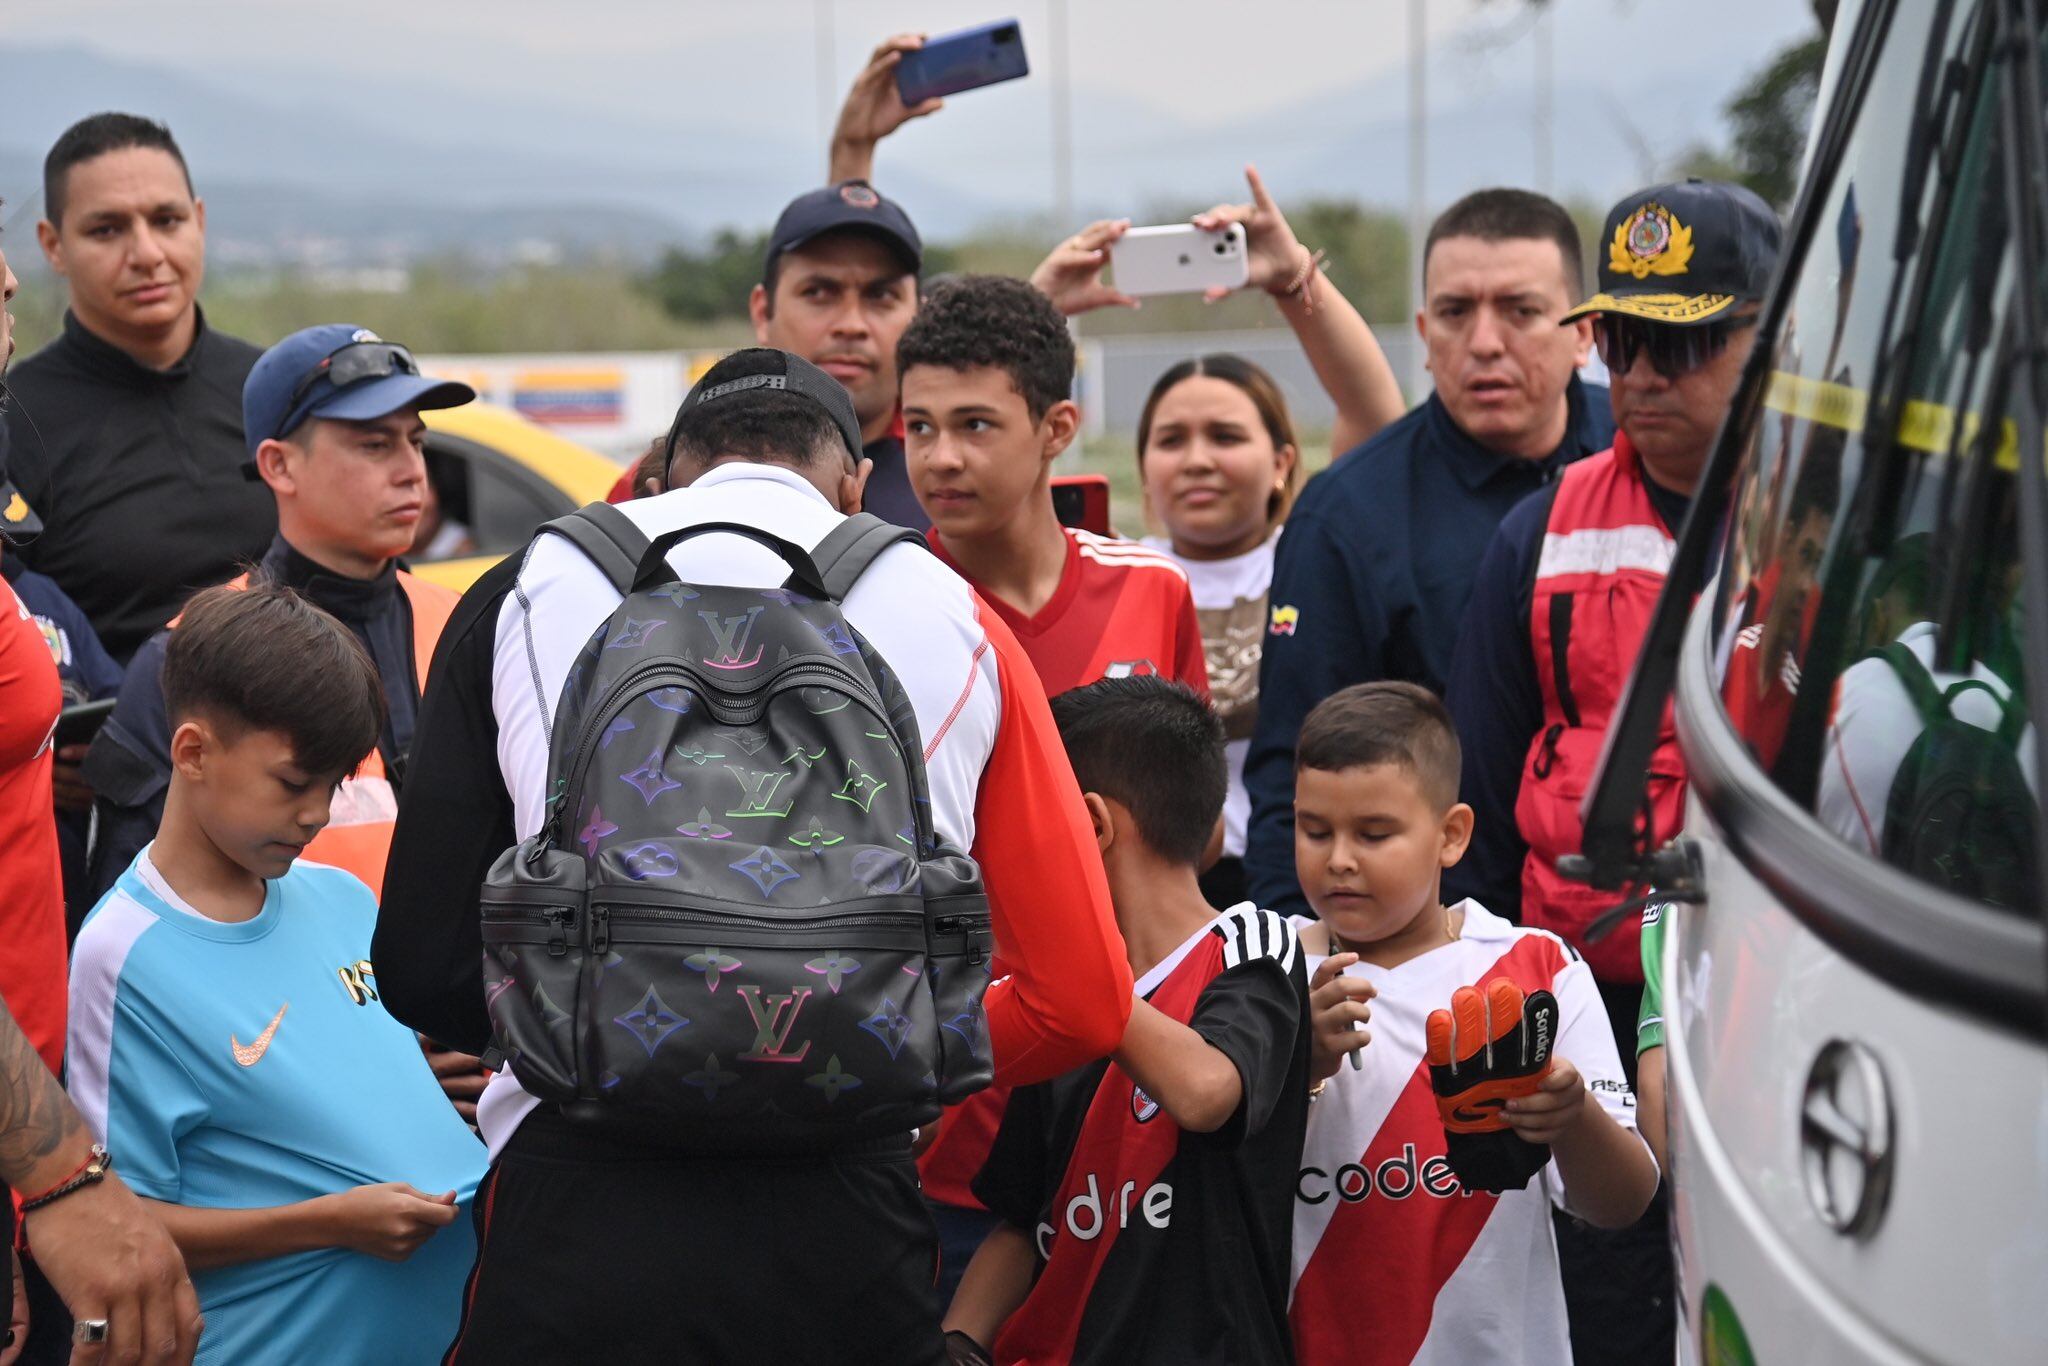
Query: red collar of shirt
x,y
1055,606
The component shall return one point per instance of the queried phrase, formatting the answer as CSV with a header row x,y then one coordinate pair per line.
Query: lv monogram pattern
x,y
737,915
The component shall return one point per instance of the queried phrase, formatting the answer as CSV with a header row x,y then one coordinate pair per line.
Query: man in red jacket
x,y
1559,612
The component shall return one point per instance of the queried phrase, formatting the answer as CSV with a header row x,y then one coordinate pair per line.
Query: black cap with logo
x,y
763,369
1685,253
849,206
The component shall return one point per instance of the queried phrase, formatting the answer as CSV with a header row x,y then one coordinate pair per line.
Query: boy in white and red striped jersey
x,y
1397,1256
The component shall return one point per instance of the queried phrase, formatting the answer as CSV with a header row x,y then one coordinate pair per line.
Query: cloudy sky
x,y
638,56
721,86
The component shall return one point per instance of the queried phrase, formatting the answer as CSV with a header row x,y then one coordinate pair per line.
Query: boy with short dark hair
x,y
226,1038
1447,1230
987,370
1161,1177
987,367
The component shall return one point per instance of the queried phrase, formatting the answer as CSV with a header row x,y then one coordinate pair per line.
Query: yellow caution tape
x,y
1923,426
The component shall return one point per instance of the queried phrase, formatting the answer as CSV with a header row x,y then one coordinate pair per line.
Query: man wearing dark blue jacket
x,y
1371,577
331,416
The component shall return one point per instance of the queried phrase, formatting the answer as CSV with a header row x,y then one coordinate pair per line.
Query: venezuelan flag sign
x,y
565,397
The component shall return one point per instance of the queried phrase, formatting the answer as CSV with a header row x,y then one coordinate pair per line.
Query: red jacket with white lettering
x,y
1602,566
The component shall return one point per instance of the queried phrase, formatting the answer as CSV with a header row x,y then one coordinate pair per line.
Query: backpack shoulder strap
x,y
1918,683
2012,719
607,537
844,555
2012,723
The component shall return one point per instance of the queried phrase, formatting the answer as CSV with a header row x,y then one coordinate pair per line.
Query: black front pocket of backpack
x,y
798,1025
533,987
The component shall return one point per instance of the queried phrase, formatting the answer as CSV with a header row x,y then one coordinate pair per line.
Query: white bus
x,y
1854,639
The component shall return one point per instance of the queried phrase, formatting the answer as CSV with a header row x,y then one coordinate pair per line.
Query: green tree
x,y
1769,117
700,286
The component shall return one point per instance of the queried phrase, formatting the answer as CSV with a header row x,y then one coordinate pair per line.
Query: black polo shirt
x,y
137,475
889,495
1370,582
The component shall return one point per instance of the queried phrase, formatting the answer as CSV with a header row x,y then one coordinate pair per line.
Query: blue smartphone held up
x,y
966,60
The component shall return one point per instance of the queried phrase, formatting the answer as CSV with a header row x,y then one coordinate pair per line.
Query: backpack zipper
x,y
902,932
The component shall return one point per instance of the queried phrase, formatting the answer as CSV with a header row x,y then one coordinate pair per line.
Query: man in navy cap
x,y
332,417
1558,615
838,287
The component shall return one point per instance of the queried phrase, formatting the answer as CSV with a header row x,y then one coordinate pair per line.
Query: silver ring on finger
x,y
89,1331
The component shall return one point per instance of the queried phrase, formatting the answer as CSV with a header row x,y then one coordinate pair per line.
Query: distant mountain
x,y
370,170
408,168
268,224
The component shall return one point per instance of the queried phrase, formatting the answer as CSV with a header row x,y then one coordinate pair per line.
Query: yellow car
x,y
496,477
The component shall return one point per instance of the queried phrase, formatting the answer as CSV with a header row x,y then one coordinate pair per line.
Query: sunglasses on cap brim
x,y
1672,351
354,363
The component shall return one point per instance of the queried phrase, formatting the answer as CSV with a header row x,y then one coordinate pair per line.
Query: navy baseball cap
x,y
849,206
1685,253
336,370
763,369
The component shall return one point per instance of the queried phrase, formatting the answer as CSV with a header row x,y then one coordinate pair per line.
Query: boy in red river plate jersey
x,y
1455,1274
1162,1177
987,372
987,368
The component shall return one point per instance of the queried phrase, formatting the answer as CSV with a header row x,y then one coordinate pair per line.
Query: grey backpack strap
x,y
607,537
844,555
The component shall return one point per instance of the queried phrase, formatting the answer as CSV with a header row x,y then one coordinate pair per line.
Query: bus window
x,y
1869,613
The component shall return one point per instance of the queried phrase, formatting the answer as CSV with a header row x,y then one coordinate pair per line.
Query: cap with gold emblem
x,y
1684,253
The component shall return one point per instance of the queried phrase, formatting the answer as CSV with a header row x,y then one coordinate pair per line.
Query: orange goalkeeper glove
x,y
1491,1046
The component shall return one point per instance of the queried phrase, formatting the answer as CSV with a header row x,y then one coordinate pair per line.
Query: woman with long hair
x,y
1220,462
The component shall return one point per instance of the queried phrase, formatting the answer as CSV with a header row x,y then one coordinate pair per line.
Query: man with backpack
x,y
710,916
1928,759
1559,610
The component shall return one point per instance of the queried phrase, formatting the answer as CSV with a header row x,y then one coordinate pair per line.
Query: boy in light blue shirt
x,y
226,1040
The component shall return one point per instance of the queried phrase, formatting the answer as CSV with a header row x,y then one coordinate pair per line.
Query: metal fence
x,y
615,401
1118,372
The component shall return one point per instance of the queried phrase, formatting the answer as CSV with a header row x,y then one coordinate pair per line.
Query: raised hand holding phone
x,y
1347,359
874,109
1071,275
1180,258
1274,258
967,60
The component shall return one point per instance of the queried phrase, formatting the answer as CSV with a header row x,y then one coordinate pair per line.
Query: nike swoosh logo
x,y
249,1054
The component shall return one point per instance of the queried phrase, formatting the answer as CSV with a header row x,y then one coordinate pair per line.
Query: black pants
x,y
592,1250
49,1322
1618,1292
1618,1289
